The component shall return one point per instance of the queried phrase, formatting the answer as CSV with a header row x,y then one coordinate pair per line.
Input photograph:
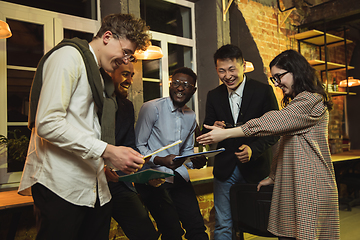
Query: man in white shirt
x,y
72,116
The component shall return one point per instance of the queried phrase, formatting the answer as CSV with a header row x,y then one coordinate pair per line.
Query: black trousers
x,y
130,213
58,219
171,204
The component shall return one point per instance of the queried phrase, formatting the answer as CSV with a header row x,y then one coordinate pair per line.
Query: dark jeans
x,y
171,203
131,214
58,219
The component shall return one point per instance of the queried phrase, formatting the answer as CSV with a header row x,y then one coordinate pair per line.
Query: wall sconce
x,y
151,53
351,81
249,67
4,30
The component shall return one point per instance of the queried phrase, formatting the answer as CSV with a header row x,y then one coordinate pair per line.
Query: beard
x,y
179,103
121,92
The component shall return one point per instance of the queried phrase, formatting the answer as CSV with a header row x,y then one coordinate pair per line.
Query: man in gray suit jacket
x,y
245,160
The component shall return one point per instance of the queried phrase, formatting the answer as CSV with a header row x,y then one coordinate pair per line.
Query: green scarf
x,y
106,105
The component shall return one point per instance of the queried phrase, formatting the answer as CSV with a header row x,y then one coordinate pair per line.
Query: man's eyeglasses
x,y
177,83
277,77
128,55
130,58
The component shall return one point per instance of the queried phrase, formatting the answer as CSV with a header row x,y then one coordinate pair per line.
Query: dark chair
x,y
348,174
250,209
352,182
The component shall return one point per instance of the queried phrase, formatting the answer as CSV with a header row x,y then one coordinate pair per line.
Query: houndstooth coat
x,y
305,198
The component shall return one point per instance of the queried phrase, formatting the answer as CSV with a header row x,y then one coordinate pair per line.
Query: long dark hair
x,y
305,78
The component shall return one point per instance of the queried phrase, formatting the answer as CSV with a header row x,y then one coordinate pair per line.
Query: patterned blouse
x,y
305,197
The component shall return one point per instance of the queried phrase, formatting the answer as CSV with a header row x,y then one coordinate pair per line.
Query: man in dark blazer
x,y
127,208
245,160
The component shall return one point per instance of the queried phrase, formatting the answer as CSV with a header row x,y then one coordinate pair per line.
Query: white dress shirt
x,y
65,148
235,99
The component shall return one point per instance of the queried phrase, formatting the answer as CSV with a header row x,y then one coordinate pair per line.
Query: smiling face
x,y
180,95
113,51
230,72
286,81
123,78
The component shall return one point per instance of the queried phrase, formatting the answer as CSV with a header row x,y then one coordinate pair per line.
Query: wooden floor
x,y
349,226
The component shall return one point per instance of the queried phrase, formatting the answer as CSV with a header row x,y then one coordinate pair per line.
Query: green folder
x,y
144,176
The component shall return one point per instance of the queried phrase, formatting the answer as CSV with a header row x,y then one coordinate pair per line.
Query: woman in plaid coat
x,y
305,198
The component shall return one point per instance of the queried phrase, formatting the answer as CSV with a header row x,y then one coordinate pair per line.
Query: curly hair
x,y
305,78
126,26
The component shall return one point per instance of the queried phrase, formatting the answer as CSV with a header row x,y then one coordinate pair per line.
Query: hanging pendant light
x,y
249,67
151,53
351,81
4,30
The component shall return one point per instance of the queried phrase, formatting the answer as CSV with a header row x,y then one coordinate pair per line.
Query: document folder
x,y
144,176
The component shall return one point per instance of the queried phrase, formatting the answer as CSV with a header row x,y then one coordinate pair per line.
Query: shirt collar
x,y
239,91
92,51
172,107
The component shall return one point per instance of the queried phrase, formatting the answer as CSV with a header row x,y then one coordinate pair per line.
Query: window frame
x,y
164,40
54,25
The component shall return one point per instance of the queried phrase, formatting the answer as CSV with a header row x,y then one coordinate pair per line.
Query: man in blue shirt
x,y
161,122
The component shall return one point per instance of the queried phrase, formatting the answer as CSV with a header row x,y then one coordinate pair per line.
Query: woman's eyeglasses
x,y
277,77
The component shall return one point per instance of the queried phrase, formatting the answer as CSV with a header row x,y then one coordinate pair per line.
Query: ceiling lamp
x,y
4,30
249,67
351,81
151,53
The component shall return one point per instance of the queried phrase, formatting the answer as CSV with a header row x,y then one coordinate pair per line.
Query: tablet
x,y
206,154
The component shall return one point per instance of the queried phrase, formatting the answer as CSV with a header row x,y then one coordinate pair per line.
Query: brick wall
x,y
271,31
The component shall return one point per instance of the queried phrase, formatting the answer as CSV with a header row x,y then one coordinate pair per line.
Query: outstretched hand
x,y
215,135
